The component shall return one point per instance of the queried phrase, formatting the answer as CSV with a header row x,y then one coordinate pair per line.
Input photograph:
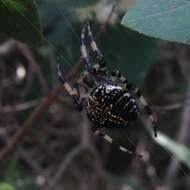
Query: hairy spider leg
x,y
115,75
101,65
96,50
131,87
73,92
94,45
66,85
107,138
85,57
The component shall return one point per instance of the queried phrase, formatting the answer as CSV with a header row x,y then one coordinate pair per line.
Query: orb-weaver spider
x,y
107,98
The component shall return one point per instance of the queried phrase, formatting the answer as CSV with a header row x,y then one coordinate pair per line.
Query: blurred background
x,y
45,143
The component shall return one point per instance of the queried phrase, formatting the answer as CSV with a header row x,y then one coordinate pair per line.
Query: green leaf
x,y
128,51
179,151
20,20
5,186
13,5
168,20
14,172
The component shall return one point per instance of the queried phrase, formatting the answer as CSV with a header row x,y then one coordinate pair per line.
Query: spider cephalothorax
x,y
107,97
111,106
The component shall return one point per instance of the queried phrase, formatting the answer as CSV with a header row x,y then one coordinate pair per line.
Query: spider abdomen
x,y
110,106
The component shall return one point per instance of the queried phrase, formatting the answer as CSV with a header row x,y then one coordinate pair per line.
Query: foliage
x,y
172,148
179,151
13,5
20,20
168,20
17,176
134,61
6,186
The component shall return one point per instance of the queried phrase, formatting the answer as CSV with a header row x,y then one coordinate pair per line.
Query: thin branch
x,y
73,153
13,45
32,163
25,156
166,108
182,138
34,65
104,26
33,118
63,166
85,144
19,107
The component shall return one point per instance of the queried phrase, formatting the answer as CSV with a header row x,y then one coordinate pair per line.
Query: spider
x,y
107,98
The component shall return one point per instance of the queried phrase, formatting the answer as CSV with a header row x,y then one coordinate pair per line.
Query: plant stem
x,y
182,138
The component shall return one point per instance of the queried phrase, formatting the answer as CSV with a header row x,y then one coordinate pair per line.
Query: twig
x,y
182,138
13,45
46,102
85,144
31,60
166,108
81,179
32,163
19,107
73,153
62,167
104,26
25,156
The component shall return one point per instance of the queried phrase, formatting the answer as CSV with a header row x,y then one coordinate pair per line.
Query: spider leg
x,y
93,44
101,65
146,107
116,75
71,91
84,52
107,138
